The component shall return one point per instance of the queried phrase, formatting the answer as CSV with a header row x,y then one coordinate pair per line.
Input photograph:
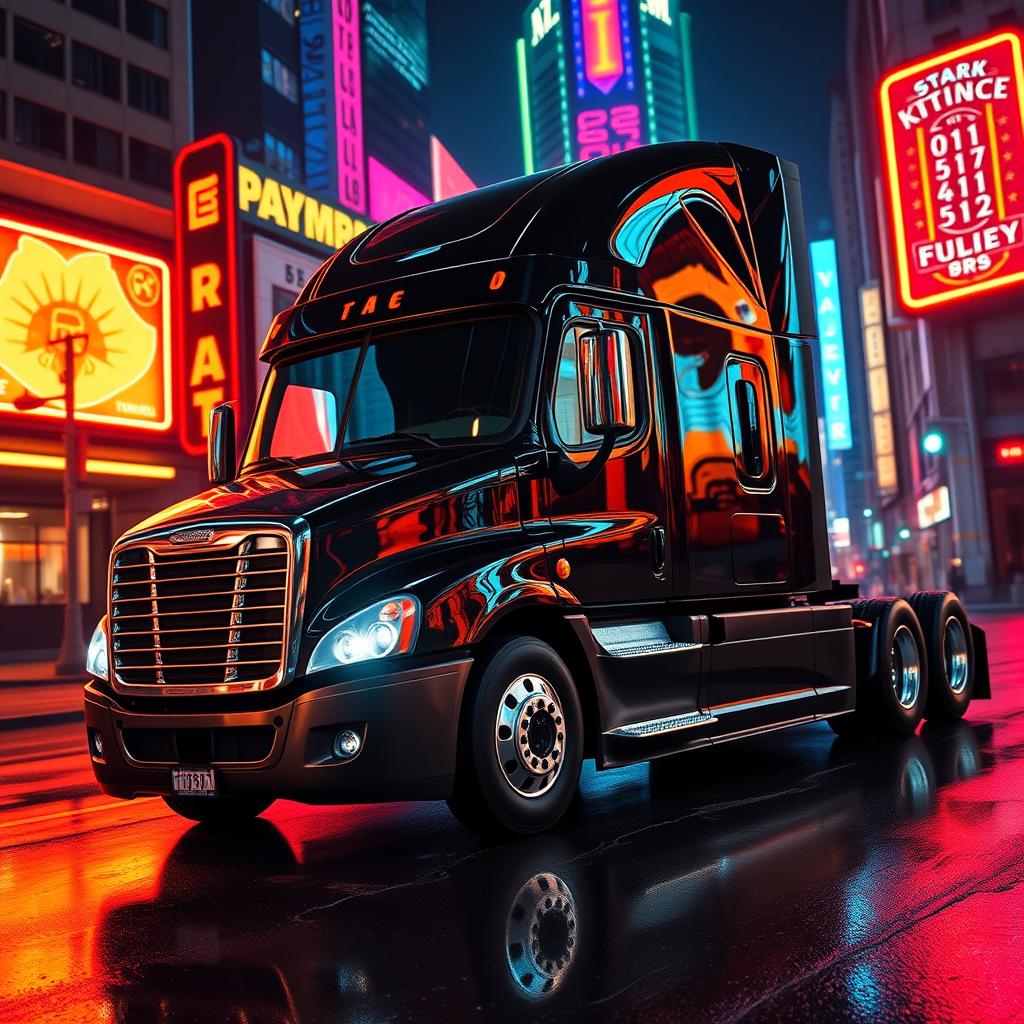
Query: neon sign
x,y
875,362
391,194
281,207
348,101
543,18
839,434
608,116
953,128
602,44
206,272
52,283
1010,453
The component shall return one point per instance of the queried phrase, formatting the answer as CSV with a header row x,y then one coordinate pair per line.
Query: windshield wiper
x,y
398,435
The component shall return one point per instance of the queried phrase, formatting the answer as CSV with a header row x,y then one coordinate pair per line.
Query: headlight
x,y
387,627
96,658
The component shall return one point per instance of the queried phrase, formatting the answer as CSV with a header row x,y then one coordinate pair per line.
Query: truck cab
x,y
534,476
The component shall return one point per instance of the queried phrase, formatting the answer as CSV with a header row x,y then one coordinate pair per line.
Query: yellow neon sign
x,y
52,283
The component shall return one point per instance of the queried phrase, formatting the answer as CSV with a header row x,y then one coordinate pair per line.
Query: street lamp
x,y
71,657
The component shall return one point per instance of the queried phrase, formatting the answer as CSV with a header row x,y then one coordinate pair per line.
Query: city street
x,y
795,877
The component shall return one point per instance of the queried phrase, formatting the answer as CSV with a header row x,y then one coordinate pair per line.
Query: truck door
x,y
735,502
612,531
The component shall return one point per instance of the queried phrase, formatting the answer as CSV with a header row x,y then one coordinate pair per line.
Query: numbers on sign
x,y
958,159
294,274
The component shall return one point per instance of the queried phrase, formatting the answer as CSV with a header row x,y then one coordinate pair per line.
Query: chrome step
x,y
634,639
657,726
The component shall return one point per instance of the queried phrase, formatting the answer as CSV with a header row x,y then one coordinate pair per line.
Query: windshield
x,y
447,385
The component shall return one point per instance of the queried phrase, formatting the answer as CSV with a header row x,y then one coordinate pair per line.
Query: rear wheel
x,y
521,741
892,692
950,646
221,811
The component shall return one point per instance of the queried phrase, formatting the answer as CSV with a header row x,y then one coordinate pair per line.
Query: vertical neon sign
x,y
608,120
348,98
838,435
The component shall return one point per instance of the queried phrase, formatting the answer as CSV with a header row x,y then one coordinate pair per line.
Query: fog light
x,y
97,743
346,744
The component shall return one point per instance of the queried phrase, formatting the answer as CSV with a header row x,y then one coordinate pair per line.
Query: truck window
x,y
750,422
568,413
449,384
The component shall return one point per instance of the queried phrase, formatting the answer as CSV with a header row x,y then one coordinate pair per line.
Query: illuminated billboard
x,y
953,127
53,284
602,76
608,115
838,432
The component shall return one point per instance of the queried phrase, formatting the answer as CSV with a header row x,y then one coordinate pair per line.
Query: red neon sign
x,y
1010,453
953,135
206,278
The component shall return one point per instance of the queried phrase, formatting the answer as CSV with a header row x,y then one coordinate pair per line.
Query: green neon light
x,y
564,91
524,106
691,98
645,60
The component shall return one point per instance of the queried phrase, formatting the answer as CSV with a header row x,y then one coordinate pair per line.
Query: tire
x,y
950,646
503,785
893,697
218,812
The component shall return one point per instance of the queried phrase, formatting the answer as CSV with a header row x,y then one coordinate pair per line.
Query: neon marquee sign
x,y
953,131
608,117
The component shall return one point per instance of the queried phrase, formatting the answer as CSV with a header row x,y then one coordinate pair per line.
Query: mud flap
x,y
982,683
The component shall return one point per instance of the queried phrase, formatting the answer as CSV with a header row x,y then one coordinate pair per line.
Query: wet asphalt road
x,y
795,877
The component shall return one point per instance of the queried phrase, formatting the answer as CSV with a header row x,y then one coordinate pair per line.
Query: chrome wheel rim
x,y
529,735
954,654
905,667
540,940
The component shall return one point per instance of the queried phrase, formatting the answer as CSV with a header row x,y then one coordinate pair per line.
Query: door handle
x,y
658,549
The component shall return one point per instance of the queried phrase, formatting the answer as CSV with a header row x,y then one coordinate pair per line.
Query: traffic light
x,y
933,440
903,533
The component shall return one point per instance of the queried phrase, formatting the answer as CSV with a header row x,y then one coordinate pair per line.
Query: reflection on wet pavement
x,y
811,878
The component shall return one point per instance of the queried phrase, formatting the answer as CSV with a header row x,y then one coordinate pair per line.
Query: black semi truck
x,y
534,476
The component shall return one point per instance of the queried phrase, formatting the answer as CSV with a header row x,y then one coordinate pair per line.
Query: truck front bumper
x,y
408,721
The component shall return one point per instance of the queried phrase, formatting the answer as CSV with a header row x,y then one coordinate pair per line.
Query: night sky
x,y
761,69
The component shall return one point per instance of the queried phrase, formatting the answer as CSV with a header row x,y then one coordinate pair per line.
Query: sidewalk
x,y
32,695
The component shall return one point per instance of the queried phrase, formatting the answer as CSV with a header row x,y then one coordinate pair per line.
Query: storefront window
x,y
1004,384
33,556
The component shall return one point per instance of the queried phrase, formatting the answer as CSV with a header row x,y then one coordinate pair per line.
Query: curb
x,y
34,721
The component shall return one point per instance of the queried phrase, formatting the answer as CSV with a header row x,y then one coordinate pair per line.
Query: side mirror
x,y
607,392
220,445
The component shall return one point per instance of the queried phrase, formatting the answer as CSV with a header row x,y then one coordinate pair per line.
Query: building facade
x,y
94,101
601,76
940,449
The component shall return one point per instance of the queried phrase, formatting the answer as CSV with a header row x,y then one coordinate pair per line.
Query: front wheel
x,y
521,742
218,812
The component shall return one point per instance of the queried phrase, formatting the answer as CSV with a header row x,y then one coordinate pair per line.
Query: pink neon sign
x,y
600,132
348,104
391,195
602,43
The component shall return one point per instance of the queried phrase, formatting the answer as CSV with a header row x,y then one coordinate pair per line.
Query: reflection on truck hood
x,y
349,492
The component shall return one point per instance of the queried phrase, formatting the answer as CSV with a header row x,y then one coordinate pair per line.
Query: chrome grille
x,y
213,619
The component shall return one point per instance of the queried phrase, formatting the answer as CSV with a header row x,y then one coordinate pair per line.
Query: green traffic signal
x,y
933,441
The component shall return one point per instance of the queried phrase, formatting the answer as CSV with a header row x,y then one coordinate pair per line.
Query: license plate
x,y
193,782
